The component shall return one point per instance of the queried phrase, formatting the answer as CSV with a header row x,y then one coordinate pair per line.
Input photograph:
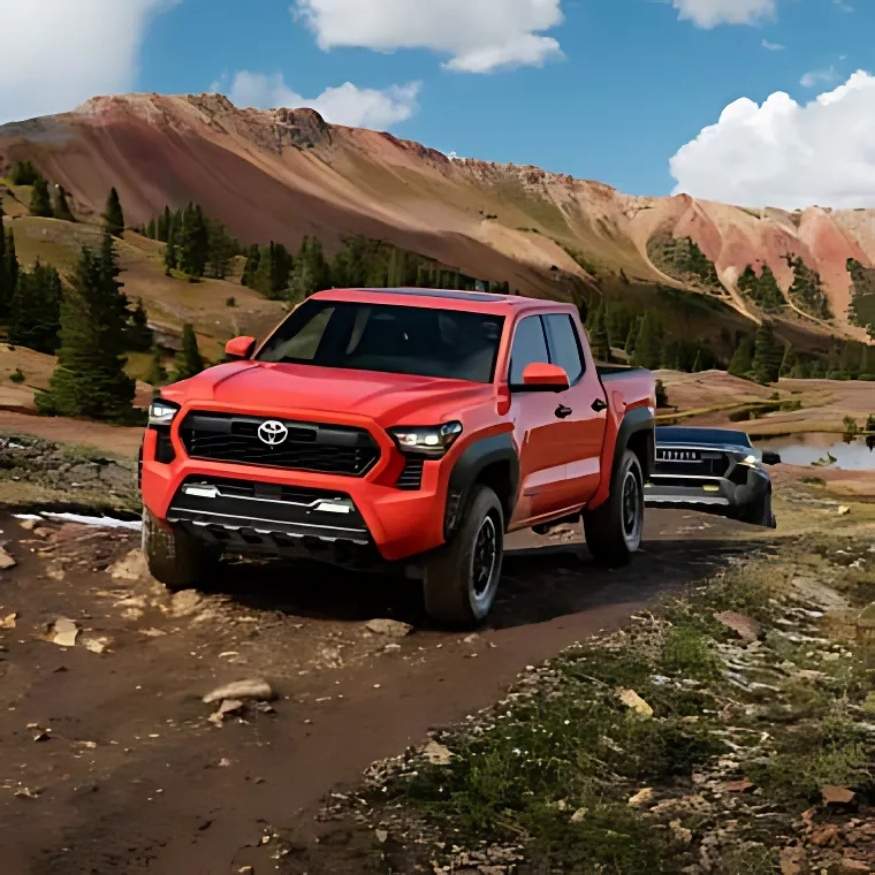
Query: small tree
x,y
741,363
188,360
138,335
648,344
40,202
661,395
36,309
113,216
599,338
768,355
23,173
157,374
61,207
89,379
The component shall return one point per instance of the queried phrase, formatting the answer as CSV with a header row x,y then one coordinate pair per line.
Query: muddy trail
x,y
108,759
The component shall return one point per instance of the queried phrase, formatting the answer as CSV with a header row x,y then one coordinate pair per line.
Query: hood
x,y
390,399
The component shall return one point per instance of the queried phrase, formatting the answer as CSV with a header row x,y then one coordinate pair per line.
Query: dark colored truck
x,y
405,426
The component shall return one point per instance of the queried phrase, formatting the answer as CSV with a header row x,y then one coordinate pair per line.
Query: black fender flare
x,y
475,458
636,421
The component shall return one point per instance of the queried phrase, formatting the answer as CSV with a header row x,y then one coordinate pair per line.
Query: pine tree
x,y
741,363
310,272
790,362
89,379
113,216
6,289
62,208
9,269
631,336
648,344
867,365
138,335
253,257
768,355
35,309
193,241
599,338
23,173
40,202
188,360
157,374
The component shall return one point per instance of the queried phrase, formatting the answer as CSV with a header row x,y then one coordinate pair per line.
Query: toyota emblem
x,y
272,432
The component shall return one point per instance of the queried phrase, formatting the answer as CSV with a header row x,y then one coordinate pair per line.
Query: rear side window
x,y
564,346
529,345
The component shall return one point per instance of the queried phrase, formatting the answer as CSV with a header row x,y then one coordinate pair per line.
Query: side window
x,y
564,346
529,345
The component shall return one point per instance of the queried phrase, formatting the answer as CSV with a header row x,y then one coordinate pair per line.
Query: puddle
x,y
857,454
103,522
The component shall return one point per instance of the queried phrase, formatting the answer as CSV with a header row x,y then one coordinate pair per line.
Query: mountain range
x,y
283,174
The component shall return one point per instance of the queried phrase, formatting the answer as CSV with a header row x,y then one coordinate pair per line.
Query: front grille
x,y
328,449
411,477
702,464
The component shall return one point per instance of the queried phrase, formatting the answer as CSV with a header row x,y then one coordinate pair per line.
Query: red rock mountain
x,y
282,174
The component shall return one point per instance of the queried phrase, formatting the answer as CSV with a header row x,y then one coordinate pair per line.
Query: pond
x,y
857,454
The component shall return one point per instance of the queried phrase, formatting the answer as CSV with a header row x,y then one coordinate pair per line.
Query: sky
x,y
758,102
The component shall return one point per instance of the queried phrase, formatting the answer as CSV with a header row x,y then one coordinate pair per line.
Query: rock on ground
x,y
745,627
130,567
390,628
253,688
6,561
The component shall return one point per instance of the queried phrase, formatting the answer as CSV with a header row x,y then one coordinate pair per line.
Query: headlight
x,y
751,460
428,440
162,412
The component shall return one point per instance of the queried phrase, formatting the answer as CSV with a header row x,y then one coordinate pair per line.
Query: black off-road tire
x,y
461,579
176,559
759,513
614,531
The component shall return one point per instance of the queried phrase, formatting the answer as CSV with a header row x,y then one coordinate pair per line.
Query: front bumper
x,y
254,508
719,495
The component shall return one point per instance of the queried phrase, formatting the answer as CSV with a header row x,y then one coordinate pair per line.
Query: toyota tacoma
x,y
409,427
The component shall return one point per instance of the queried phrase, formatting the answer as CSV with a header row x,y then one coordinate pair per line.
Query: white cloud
x,y
787,154
57,53
773,47
824,76
710,13
479,36
345,104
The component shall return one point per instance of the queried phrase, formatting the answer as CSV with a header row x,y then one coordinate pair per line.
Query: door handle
x,y
563,412
598,405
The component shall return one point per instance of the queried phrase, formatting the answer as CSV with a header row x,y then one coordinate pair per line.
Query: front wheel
x,y
176,559
614,530
461,579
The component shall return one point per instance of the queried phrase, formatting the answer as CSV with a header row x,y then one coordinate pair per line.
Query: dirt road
x,y
108,762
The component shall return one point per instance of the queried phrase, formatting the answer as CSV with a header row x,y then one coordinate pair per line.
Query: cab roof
x,y
484,302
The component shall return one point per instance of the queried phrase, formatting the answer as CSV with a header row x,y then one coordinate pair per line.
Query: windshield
x,y
395,339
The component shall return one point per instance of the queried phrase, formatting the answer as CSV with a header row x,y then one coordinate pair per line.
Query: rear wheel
x,y
614,530
461,579
176,559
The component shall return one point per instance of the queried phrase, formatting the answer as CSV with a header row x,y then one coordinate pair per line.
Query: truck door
x,y
540,431
584,419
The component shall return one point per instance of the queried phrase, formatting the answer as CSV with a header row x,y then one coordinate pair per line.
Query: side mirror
x,y
240,347
770,457
541,377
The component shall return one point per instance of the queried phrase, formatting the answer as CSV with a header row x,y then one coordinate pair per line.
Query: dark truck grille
x,y
691,463
329,449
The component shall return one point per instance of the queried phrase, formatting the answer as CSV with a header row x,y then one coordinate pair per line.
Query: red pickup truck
x,y
403,426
